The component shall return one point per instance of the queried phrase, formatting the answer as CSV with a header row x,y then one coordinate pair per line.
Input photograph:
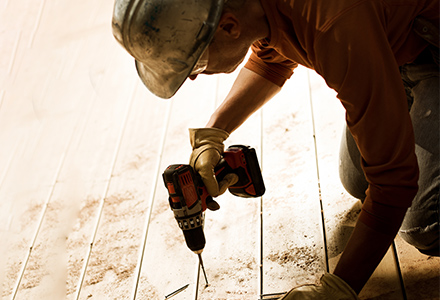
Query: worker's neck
x,y
254,20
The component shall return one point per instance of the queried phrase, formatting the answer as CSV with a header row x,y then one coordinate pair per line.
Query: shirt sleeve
x,y
268,63
356,60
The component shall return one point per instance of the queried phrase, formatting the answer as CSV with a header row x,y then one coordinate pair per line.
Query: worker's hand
x,y
332,287
207,144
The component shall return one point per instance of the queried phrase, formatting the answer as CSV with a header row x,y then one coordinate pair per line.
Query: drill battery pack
x,y
242,160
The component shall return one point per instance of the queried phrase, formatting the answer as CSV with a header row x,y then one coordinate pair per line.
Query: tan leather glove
x,y
208,147
332,288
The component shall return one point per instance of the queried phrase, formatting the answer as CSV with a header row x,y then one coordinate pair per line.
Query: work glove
x,y
208,147
332,288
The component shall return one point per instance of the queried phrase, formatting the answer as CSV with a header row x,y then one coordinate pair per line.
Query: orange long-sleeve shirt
x,y
357,46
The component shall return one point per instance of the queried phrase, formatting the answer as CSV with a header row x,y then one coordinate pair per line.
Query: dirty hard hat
x,y
167,38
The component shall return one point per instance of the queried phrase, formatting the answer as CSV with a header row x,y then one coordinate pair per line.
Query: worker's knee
x,y
425,239
420,226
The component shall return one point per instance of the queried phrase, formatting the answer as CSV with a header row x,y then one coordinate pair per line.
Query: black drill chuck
x,y
195,239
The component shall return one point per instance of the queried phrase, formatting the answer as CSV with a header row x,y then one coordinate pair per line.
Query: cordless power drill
x,y
189,198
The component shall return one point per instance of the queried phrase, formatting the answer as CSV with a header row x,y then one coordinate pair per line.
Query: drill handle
x,y
222,169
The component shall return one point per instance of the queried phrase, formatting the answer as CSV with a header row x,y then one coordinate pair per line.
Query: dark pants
x,y
420,227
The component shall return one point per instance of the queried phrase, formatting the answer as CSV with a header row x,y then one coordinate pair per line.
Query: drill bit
x,y
203,268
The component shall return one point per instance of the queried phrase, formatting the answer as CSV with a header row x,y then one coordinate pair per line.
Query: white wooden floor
x,y
83,144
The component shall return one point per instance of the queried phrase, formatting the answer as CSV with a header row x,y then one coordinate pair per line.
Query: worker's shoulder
x,y
319,13
325,11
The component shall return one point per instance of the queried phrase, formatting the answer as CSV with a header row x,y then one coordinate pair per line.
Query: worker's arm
x,y
249,92
364,71
363,252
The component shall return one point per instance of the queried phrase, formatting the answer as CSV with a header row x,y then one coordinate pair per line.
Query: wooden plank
x,y
340,209
119,236
22,210
420,272
91,156
293,248
61,106
25,121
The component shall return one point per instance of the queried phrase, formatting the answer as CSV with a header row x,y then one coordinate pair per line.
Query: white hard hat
x,y
166,38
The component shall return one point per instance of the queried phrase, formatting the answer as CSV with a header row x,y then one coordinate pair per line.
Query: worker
x,y
380,56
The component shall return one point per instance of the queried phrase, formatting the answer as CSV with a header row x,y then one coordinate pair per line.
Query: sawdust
x,y
113,252
149,292
303,257
100,267
30,215
87,211
234,278
348,217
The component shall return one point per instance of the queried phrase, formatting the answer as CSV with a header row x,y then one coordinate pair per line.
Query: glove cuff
x,y
212,136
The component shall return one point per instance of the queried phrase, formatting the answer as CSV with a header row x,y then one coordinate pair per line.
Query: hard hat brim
x,y
162,85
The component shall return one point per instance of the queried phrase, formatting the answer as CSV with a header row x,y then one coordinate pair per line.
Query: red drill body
x,y
188,196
